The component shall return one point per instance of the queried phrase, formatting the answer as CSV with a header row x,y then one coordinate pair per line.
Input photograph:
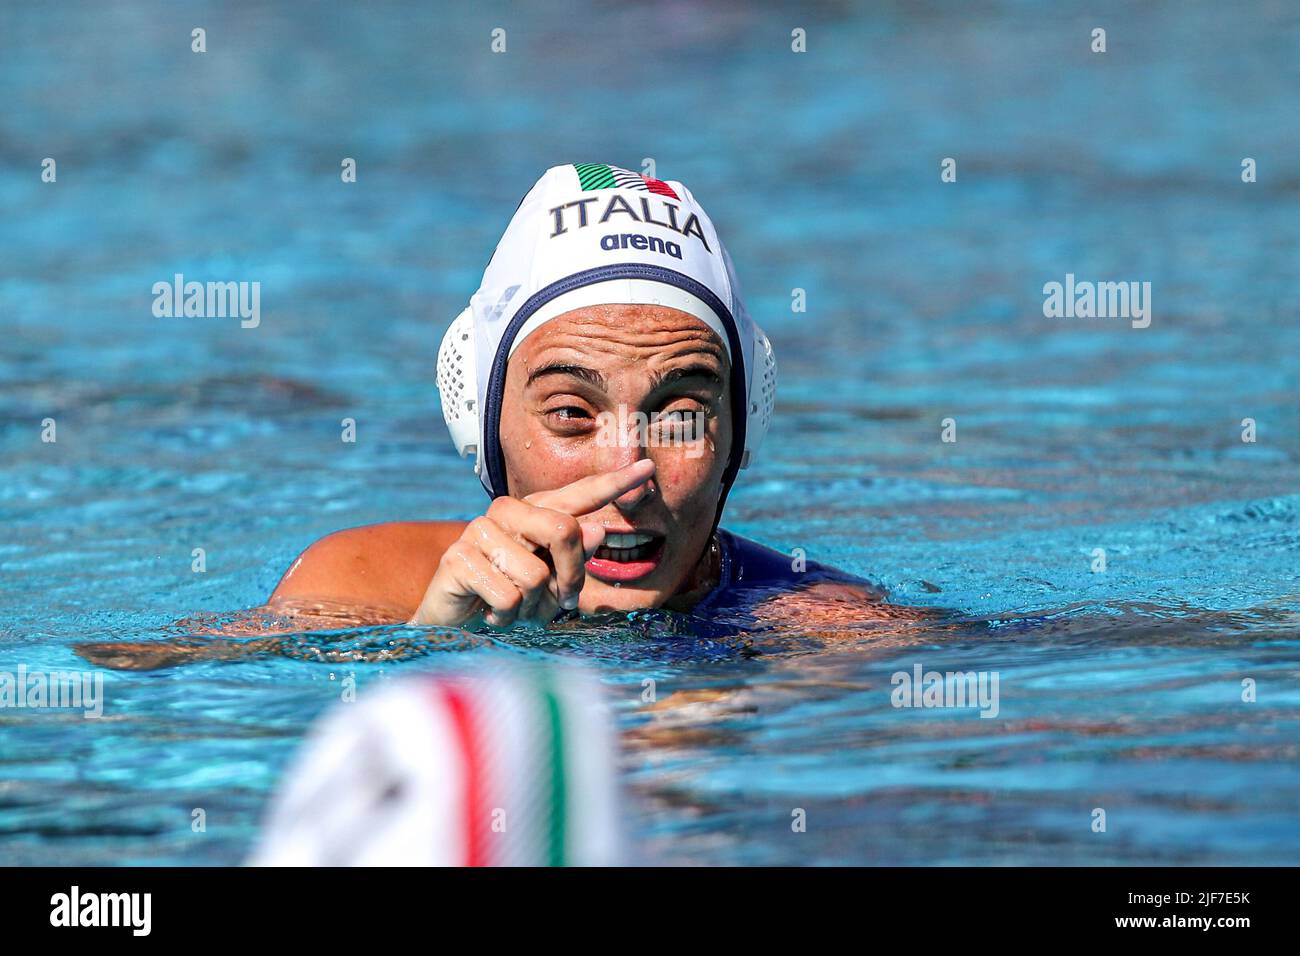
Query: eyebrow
x,y
669,376
658,380
589,375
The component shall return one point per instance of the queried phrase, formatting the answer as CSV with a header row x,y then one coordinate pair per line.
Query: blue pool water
x,y
1118,690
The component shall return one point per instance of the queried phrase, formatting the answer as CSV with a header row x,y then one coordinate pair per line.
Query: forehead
x,y
649,333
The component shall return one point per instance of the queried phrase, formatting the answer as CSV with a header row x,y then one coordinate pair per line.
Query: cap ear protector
x,y
458,388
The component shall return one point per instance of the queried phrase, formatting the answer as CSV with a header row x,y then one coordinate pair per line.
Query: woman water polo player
x,y
610,385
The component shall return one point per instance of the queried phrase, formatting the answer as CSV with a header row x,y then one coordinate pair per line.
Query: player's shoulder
x,y
843,609
386,564
382,538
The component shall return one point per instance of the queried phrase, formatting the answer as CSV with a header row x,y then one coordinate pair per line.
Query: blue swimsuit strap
x,y
751,571
726,546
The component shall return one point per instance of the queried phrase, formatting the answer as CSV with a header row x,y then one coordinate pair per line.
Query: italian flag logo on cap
x,y
599,176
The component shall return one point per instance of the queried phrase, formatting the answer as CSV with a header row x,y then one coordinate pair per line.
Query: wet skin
x,y
581,466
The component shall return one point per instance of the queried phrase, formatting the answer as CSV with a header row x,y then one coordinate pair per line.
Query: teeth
x,y
618,541
621,554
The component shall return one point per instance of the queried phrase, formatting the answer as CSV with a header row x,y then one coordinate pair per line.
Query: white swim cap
x,y
591,234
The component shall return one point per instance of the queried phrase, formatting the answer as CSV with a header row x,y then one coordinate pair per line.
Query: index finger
x,y
594,492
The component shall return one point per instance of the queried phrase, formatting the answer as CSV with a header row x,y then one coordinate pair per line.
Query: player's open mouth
x,y
626,557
